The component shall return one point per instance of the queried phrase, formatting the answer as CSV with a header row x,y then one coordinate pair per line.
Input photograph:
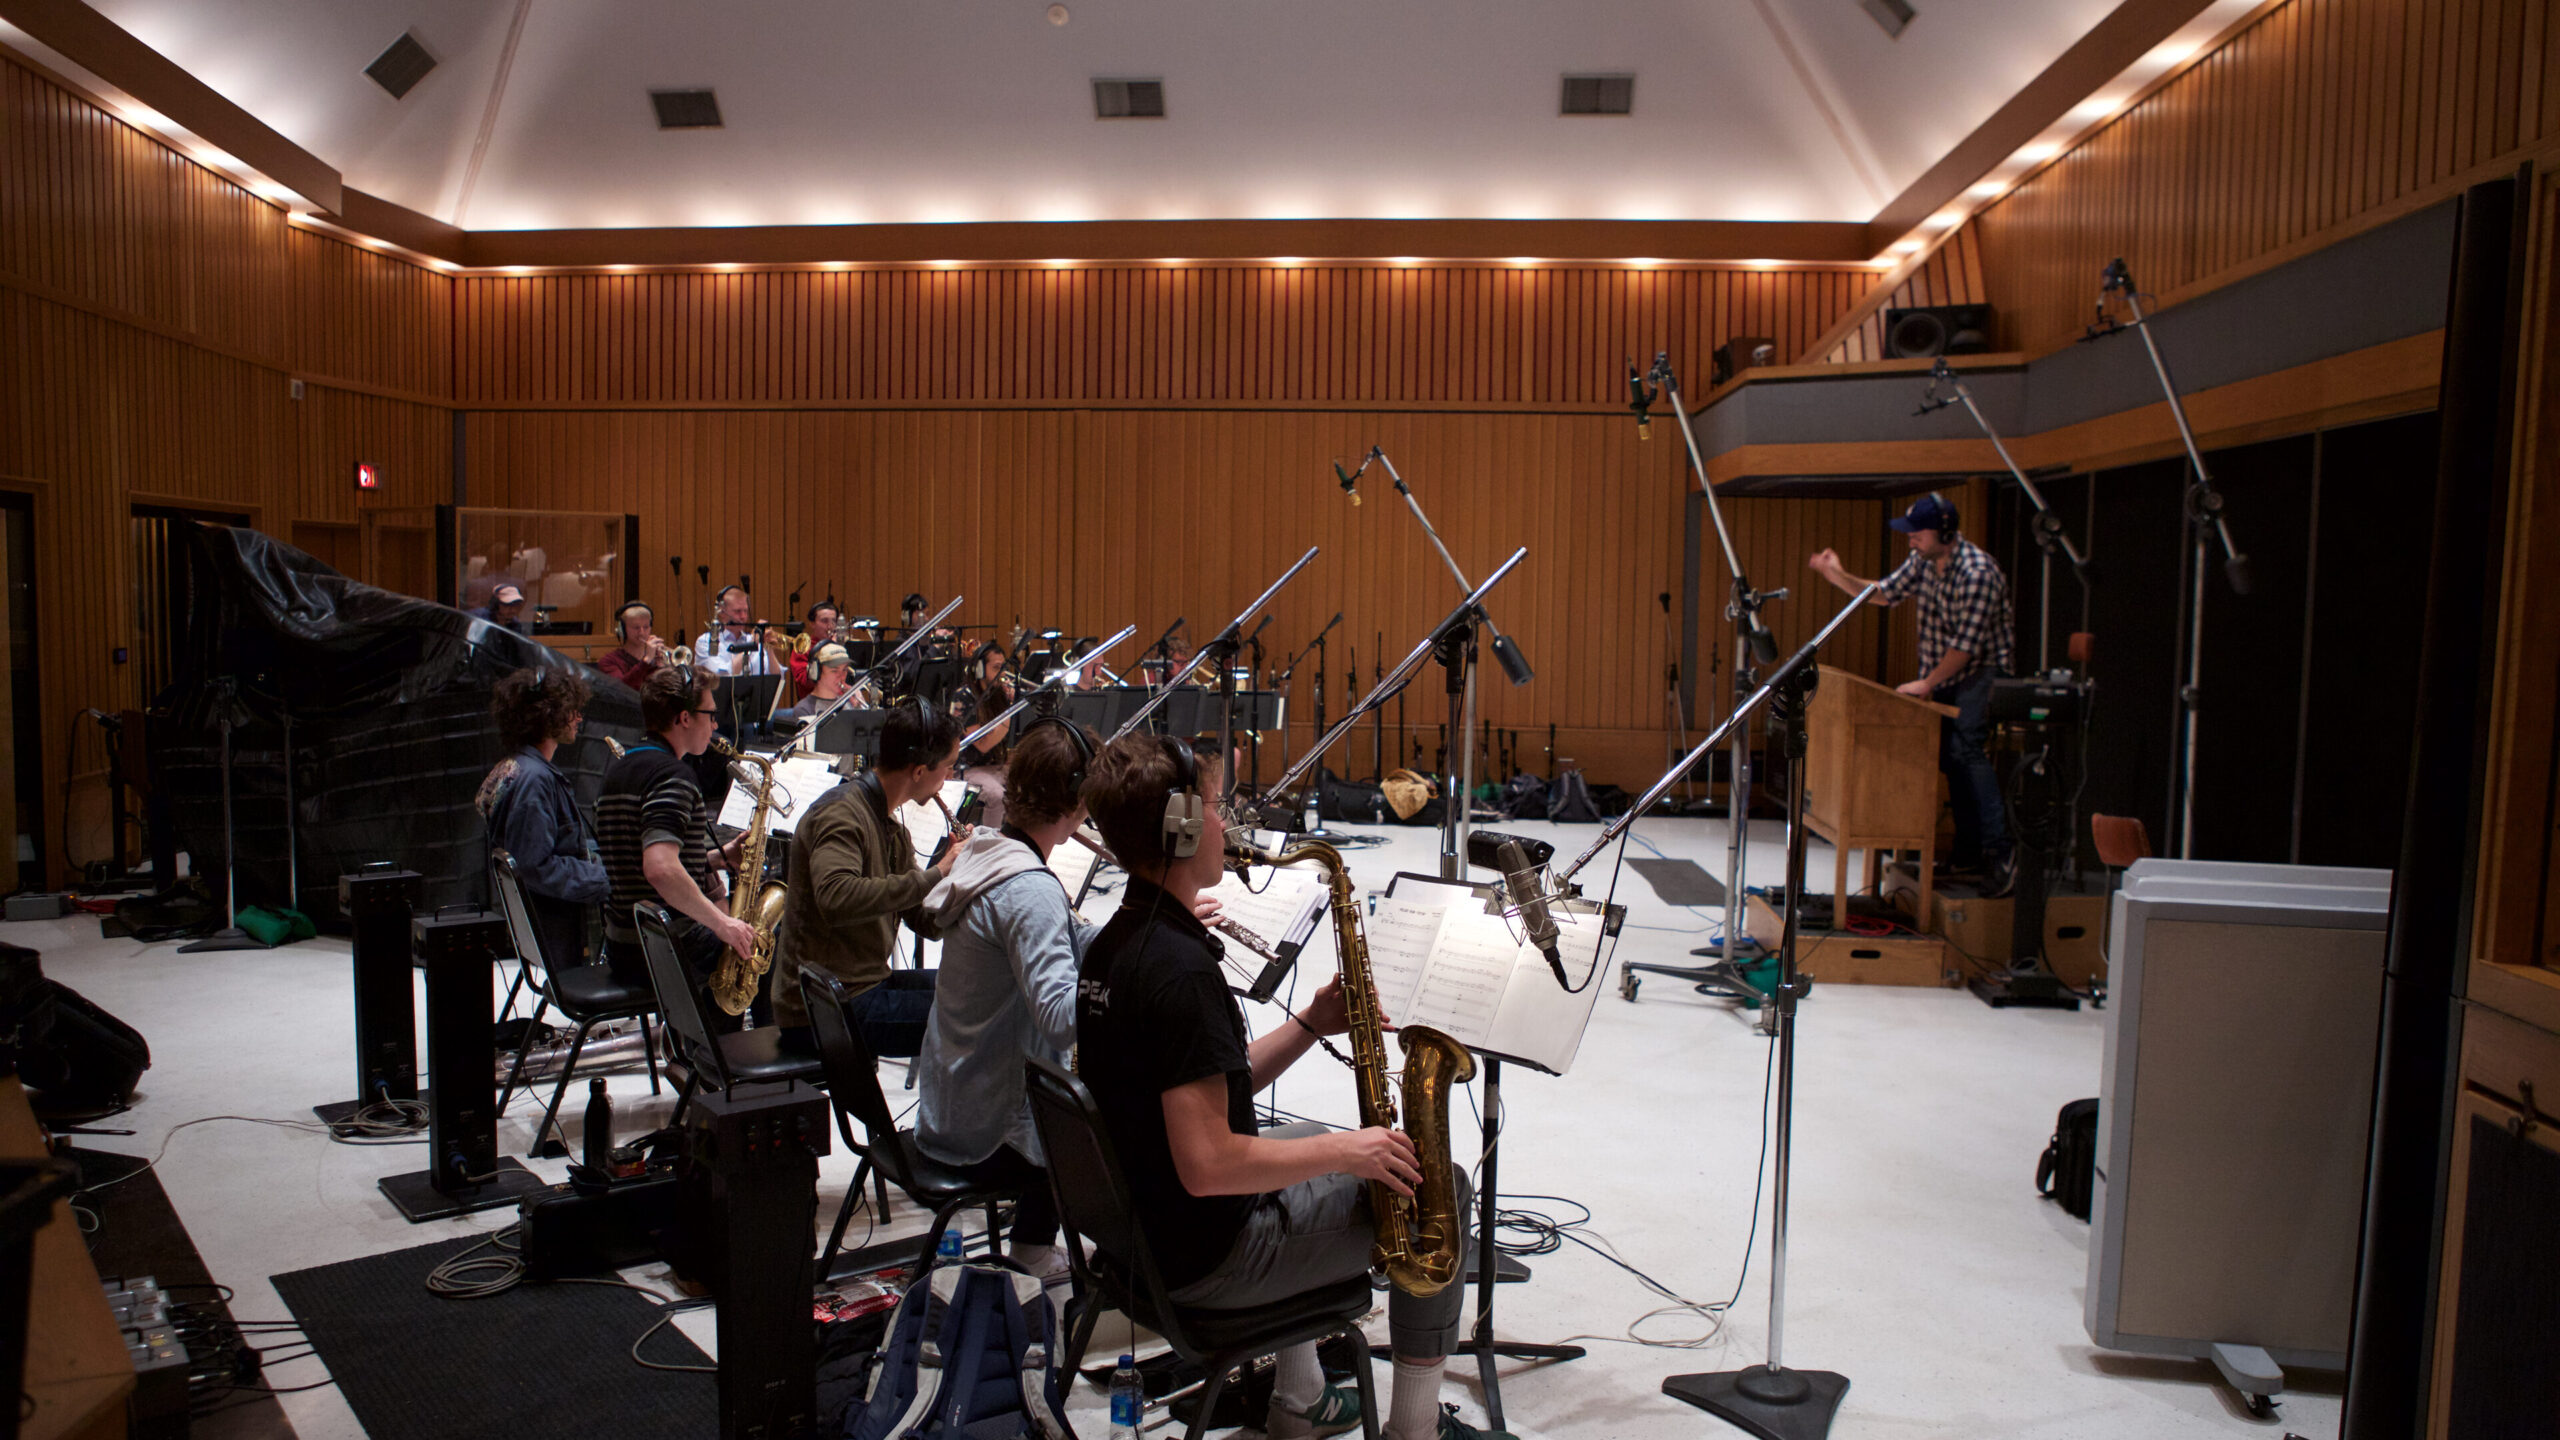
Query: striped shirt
x,y
1963,607
650,798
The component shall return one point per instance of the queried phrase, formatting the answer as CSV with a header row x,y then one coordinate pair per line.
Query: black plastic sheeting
x,y
386,701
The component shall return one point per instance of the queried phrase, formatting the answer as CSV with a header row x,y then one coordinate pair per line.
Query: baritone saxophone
x,y
1420,1237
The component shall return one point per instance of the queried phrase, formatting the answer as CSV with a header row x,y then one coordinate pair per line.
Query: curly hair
x,y
532,706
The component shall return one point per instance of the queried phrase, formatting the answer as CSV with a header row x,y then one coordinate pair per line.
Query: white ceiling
x,y
856,111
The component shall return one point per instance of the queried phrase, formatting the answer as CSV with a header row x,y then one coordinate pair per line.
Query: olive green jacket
x,y
853,878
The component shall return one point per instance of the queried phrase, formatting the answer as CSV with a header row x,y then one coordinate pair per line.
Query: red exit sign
x,y
367,478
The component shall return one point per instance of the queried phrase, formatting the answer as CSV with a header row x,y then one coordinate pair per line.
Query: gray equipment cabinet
x,y
2233,1115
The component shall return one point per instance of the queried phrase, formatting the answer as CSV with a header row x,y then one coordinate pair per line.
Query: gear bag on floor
x,y
972,1351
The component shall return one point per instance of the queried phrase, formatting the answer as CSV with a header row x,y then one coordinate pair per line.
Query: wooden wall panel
x,y
2323,117
152,318
1093,519
1334,335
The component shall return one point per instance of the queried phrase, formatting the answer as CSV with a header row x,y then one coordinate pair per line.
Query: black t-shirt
x,y
1153,1013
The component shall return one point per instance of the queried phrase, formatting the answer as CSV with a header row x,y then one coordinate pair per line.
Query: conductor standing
x,y
1965,627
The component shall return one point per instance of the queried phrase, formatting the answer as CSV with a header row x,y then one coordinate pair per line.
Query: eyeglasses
x,y
714,710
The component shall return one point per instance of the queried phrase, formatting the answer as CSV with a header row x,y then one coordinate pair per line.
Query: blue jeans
x,y
1973,786
890,1016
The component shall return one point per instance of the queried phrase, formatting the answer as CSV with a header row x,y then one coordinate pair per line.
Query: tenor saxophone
x,y
1419,1236
735,983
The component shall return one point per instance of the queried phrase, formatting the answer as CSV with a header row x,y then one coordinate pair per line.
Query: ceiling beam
x,y
2129,32
1816,242
99,53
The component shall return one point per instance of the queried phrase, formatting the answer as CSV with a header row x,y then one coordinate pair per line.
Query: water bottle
x,y
948,1248
1128,1400
599,1128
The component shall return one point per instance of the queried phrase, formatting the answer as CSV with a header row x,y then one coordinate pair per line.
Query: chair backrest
x,y
852,1072
2120,839
679,1002
510,892
1092,1190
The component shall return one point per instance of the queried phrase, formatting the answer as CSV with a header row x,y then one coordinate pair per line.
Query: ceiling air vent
x,y
1599,94
400,68
686,109
1128,99
1891,14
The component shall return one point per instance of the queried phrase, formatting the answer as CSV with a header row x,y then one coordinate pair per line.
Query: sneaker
x,y
1337,1410
1453,1428
1047,1262
1999,879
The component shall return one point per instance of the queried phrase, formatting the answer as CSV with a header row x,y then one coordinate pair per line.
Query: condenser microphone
x,y
2235,568
2111,280
1350,480
1640,400
1521,879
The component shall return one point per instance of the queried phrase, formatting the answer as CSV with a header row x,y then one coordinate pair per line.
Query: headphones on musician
x,y
1082,742
622,631
1185,813
721,599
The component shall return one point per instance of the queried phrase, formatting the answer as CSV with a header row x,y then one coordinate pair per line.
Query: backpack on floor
x,y
2067,1173
1570,801
972,1351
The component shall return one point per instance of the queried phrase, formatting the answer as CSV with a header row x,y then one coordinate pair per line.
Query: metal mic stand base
x,y
419,1200
1773,1404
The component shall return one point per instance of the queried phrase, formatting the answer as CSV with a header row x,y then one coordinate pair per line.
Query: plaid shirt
x,y
1965,607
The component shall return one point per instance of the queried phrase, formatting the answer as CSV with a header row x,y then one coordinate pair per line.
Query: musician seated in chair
x,y
534,817
1238,1217
854,879
1007,986
832,667
656,837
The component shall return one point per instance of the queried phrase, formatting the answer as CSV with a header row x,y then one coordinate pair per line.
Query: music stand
x,y
227,709
744,700
852,732
934,678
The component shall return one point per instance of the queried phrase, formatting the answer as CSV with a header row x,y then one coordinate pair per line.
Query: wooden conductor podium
x,y
1873,782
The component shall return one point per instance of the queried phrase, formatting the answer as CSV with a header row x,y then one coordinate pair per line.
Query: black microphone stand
x,y
2205,525
1768,1400
1753,646
1286,679
1457,656
2029,980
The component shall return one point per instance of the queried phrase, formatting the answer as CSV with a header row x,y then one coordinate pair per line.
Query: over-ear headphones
x,y
722,599
622,631
1947,520
1075,736
1185,813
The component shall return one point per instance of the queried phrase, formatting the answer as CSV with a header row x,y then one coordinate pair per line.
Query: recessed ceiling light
x,y
1058,15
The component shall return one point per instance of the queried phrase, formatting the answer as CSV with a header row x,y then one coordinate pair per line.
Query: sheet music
x,y
1471,966
1072,863
1279,910
1400,933
1472,974
804,777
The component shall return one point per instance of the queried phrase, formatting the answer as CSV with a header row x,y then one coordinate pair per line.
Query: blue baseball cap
x,y
1927,513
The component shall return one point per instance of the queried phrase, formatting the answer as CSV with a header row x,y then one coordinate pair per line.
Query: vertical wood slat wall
x,y
1164,334
1093,519
2322,116
152,318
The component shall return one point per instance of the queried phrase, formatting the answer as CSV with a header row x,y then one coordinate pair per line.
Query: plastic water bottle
x,y
1128,1399
948,1248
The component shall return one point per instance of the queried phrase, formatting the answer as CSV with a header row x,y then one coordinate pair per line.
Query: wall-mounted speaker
x,y
1927,330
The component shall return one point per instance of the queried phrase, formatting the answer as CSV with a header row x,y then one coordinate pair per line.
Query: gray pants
x,y
1318,1232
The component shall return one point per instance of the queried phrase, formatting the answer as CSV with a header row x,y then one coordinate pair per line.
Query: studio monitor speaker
x,y
1926,330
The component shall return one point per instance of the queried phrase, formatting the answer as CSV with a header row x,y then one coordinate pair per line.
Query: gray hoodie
x,y
1006,990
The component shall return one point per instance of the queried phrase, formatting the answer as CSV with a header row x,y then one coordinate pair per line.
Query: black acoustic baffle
x,y
2252,656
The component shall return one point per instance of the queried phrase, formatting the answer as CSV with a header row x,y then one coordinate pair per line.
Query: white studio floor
x,y
1922,1265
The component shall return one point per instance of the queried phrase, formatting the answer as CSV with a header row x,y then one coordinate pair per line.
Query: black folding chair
x,y
1120,1274
889,1155
717,1063
588,995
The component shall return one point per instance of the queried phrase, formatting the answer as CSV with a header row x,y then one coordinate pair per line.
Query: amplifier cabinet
x,y
2235,1109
